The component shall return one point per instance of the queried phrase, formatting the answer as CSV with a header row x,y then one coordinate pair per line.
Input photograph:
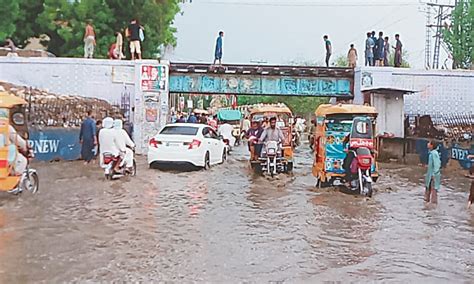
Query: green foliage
x,y
405,63
341,61
64,22
459,36
26,26
9,10
299,105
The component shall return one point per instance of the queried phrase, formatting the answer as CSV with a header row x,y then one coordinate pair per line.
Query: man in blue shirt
x,y
369,50
88,138
192,118
218,51
379,50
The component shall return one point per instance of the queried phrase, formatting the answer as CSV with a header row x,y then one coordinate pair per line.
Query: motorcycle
x,y
271,160
109,163
29,180
361,166
295,138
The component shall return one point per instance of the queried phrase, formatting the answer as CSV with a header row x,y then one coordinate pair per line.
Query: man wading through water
x,y
433,174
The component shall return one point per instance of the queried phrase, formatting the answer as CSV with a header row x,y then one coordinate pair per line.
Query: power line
x,y
312,4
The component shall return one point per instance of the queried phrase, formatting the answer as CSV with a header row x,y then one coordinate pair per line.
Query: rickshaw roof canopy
x,y
8,100
200,111
229,114
328,109
271,109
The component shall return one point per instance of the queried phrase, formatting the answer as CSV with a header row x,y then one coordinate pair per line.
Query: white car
x,y
186,144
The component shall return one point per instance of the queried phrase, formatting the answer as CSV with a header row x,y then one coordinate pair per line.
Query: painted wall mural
x,y
259,85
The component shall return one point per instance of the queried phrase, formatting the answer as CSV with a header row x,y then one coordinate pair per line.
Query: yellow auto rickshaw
x,y
284,116
12,117
336,131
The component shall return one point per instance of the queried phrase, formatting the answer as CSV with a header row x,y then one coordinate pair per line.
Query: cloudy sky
x,y
282,31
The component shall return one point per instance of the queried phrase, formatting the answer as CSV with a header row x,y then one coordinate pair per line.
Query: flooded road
x,y
228,226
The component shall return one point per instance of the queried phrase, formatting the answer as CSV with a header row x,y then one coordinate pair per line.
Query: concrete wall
x,y
439,91
391,114
99,78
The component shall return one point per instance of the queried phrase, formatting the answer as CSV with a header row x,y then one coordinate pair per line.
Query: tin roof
x,y
7,100
327,109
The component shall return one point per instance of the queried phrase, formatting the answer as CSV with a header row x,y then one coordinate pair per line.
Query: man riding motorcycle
x,y
108,141
272,133
124,143
21,146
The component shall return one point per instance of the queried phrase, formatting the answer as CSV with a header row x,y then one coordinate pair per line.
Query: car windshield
x,y
179,130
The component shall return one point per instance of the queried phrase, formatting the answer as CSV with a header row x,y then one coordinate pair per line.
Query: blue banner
x,y
51,144
461,154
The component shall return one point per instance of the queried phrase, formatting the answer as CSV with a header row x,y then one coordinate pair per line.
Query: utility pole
x,y
443,13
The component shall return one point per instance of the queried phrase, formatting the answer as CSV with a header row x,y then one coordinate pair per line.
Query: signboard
x,y
49,144
123,74
154,78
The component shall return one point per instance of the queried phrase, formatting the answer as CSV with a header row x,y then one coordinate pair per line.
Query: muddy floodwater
x,y
226,225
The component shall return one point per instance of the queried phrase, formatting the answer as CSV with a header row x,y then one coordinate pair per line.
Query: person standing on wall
x,y
398,51
88,138
352,57
119,45
369,50
328,46
380,53
374,40
218,49
386,52
133,33
89,40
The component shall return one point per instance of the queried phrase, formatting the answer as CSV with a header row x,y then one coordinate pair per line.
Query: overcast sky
x,y
282,31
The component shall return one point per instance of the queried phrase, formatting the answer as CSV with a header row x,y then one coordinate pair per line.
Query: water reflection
x,y
226,225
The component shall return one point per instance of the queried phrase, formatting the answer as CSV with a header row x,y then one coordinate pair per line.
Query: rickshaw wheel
x,y
33,185
369,190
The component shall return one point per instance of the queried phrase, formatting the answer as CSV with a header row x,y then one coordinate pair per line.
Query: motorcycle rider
x,y
272,133
226,131
124,143
20,162
108,141
346,165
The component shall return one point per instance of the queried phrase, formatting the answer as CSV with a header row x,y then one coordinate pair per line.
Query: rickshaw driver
x,y
20,162
272,133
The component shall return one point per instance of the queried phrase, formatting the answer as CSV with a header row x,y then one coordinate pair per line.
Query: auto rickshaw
x,y
234,118
284,122
12,113
336,131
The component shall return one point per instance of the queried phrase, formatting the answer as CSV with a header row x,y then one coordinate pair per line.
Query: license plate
x,y
170,144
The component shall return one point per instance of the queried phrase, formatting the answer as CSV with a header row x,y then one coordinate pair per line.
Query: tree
x,y
63,21
26,27
9,10
459,36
